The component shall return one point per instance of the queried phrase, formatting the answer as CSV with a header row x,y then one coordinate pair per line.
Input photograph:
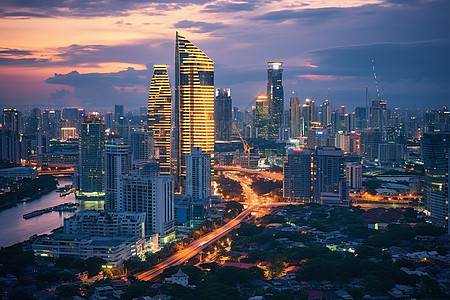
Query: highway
x,y
253,206
195,247
266,174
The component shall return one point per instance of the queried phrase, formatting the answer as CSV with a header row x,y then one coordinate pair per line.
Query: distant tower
x,y
262,116
194,103
10,133
160,116
295,115
141,145
308,113
275,94
118,112
92,147
117,163
223,114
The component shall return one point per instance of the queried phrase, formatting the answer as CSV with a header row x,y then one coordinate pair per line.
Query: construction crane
x,y
376,80
247,147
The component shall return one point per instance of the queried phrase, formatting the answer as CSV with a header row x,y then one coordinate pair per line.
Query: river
x,y
14,228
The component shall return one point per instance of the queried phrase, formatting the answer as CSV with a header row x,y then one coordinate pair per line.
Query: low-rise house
x,y
180,278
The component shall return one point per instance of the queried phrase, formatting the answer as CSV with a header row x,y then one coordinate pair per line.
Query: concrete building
x,y
117,163
152,195
435,155
275,95
295,115
390,153
92,149
223,115
370,139
297,184
142,145
198,183
106,223
330,186
354,175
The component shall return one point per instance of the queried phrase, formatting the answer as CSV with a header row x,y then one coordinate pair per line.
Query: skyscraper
x,y
118,112
330,186
379,115
223,114
275,94
117,163
262,116
297,175
92,147
160,116
10,133
308,113
295,115
194,103
435,154
325,113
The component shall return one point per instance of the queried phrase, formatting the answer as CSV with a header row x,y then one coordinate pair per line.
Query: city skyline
x,y
322,46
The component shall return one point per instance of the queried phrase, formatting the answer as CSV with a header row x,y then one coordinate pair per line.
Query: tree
x,y
94,265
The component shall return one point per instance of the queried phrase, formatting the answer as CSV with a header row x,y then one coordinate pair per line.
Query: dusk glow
x,y
96,54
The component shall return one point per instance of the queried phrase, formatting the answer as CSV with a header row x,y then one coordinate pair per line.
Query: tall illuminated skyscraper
x,y
160,116
194,103
275,93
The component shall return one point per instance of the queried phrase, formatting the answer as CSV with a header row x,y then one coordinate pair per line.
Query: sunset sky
x,y
64,53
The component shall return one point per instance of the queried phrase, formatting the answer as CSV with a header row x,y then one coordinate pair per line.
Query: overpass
x,y
266,174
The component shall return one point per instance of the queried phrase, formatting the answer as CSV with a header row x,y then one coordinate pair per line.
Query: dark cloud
x,y
22,61
312,16
15,52
220,7
106,88
24,14
59,94
200,27
81,8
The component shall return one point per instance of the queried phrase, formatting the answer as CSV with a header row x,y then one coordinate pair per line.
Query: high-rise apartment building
x,y
361,116
91,166
223,115
354,175
142,145
194,103
435,154
275,94
152,195
330,186
10,135
370,139
117,164
198,183
160,116
297,185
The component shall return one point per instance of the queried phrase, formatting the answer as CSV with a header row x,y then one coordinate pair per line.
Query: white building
x,y
114,250
152,195
117,163
354,175
180,278
105,223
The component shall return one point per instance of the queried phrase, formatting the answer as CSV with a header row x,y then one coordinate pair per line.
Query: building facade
x,y
435,155
223,115
92,147
194,103
297,184
160,116
275,95
117,163
154,197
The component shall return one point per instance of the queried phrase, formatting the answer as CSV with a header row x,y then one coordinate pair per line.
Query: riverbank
x,y
28,190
